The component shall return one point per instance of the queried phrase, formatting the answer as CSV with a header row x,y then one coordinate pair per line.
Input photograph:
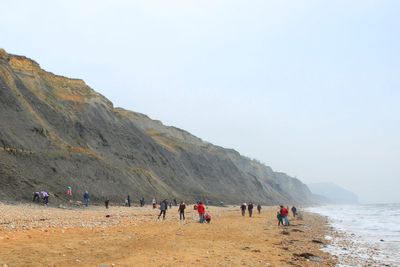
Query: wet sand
x,y
33,235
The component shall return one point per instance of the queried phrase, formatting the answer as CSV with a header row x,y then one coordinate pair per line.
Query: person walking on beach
x,y
129,200
86,198
163,209
250,209
284,213
175,203
181,210
243,209
154,202
259,208
201,209
106,202
294,211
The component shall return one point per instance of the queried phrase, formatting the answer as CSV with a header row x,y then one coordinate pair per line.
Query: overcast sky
x,y
310,88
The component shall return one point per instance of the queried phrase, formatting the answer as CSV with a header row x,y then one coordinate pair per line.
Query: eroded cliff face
x,y
56,131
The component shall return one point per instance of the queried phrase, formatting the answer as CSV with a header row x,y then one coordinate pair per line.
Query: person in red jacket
x,y
201,209
284,214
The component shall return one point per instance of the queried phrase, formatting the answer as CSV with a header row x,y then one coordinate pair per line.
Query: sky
x,y
310,88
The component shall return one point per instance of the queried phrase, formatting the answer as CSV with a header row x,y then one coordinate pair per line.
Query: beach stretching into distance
x,y
33,235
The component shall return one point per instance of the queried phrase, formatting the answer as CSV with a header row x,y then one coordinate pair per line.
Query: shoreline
x,y
356,245
33,235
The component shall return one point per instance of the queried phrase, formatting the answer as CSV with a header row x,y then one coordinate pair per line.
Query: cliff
x,y
56,131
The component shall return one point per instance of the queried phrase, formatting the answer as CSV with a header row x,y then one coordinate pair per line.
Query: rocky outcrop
x,y
56,131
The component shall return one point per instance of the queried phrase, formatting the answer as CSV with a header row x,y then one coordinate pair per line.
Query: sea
x,y
363,235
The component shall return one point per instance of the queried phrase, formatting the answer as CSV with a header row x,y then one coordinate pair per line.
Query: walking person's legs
x,y
201,216
285,220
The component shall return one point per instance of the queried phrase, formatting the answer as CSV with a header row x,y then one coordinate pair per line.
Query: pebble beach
x,y
35,235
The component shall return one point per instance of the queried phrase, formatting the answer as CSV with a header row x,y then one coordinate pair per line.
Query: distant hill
x,y
57,132
334,193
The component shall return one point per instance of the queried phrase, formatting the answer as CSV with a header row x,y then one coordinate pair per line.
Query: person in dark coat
x,y
250,209
163,209
86,198
181,210
243,209
129,200
294,211
259,208
36,196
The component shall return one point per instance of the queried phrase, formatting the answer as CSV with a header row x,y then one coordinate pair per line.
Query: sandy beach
x,y
33,235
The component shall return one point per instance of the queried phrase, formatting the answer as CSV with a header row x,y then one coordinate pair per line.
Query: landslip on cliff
x,y
56,131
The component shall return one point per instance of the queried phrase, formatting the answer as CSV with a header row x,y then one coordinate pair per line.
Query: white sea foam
x,y
371,233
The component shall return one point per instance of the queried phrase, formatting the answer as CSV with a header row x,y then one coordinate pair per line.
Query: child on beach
x,y
279,217
207,217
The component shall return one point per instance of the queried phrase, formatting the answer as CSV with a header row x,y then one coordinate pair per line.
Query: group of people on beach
x,y
44,196
204,216
199,207
41,195
249,208
283,215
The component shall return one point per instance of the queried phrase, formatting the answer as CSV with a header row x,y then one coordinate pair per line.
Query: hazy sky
x,y
311,88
